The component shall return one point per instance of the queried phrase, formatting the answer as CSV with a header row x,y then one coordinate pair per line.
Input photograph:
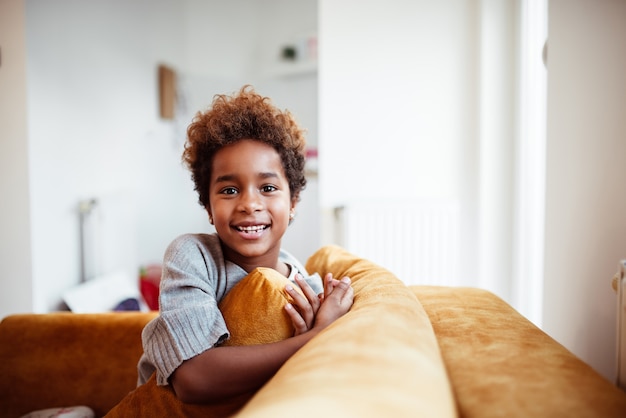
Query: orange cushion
x,y
254,309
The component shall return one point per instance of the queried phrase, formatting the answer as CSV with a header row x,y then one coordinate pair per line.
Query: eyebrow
x,y
232,177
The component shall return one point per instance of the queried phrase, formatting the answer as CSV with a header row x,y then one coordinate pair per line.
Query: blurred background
x,y
459,142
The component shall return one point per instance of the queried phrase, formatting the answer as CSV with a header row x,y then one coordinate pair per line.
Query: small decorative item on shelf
x,y
303,48
149,281
289,53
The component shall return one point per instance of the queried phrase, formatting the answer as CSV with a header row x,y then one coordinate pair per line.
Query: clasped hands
x,y
311,311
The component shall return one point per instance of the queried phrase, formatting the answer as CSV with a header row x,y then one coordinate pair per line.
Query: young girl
x,y
246,159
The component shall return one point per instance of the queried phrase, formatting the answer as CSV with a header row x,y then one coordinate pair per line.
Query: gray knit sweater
x,y
195,278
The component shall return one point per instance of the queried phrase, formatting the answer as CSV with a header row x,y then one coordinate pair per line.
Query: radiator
x,y
418,242
620,286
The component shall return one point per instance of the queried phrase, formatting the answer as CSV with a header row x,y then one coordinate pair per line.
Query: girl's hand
x,y
304,309
329,284
336,302
319,311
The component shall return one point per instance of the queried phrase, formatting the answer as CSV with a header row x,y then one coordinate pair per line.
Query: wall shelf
x,y
284,69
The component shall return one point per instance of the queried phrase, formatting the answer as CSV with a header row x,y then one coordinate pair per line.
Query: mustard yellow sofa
x,y
400,352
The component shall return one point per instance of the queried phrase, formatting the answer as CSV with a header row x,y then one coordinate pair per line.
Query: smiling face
x,y
250,203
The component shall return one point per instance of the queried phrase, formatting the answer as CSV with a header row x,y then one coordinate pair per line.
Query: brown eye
x,y
228,190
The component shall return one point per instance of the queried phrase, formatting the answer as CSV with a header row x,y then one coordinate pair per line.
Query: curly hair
x,y
245,115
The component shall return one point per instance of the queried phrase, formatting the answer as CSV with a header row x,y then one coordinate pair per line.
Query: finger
x,y
348,296
308,292
342,291
328,285
299,325
302,305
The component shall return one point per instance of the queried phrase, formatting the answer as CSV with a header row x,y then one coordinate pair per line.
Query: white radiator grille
x,y
418,242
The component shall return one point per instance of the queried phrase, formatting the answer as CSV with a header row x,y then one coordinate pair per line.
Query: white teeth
x,y
251,228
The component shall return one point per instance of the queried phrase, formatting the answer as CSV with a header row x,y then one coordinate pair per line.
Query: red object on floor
x,y
149,281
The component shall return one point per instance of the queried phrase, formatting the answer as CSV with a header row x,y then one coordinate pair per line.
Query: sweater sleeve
x,y
190,321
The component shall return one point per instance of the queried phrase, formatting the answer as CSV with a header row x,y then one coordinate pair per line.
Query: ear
x,y
208,211
292,209
294,201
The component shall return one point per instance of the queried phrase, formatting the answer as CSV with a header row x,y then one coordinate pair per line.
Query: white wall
x,y
416,103
586,175
394,86
15,230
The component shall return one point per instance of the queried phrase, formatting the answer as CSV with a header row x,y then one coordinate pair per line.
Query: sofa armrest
x,y
381,359
500,364
65,359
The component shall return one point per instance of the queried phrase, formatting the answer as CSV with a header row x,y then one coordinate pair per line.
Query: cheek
x,y
284,210
219,212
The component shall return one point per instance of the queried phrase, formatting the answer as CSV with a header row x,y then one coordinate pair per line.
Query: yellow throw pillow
x,y
254,310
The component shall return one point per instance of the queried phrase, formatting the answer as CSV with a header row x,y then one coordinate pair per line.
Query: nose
x,y
250,201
